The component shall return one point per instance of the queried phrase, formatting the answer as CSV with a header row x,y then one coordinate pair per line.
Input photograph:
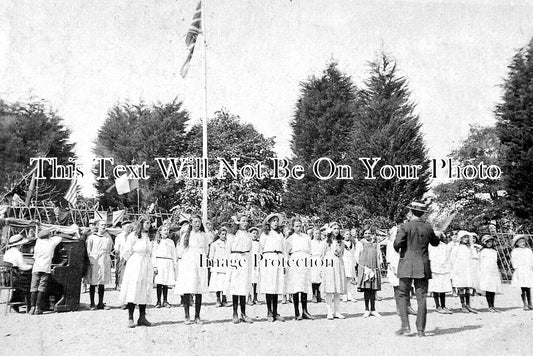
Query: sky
x,y
82,57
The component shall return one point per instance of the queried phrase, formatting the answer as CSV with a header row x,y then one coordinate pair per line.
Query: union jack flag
x,y
192,35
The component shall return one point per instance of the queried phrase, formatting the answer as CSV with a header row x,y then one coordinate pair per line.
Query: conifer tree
x,y
515,130
321,127
387,127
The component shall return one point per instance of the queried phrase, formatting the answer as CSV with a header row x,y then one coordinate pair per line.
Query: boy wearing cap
x,y
14,256
43,253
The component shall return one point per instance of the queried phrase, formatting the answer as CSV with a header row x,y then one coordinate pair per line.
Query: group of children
x,y
275,259
467,265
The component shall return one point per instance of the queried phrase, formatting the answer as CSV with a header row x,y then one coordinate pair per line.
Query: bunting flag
x,y
192,35
125,185
72,193
111,218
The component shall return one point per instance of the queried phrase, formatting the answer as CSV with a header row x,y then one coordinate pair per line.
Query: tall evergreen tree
x,y
387,127
32,130
515,130
321,127
137,134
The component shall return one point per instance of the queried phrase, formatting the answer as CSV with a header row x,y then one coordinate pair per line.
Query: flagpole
x,y
204,119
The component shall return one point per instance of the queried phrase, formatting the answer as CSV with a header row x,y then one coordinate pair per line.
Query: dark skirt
x,y
373,284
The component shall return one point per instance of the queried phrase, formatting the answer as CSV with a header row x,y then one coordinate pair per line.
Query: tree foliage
x,y
387,127
228,138
133,134
32,130
321,128
515,130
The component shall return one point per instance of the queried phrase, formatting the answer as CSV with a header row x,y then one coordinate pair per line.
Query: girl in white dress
x,y
463,260
192,272
318,247
334,279
137,283
440,282
489,274
349,266
271,276
298,281
522,260
218,254
164,260
255,264
239,276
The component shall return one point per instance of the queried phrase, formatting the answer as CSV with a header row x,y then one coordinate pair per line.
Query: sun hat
x,y
272,216
17,240
486,238
517,238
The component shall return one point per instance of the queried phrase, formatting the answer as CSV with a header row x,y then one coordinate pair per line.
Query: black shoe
x,y
143,322
420,334
158,305
403,332
307,316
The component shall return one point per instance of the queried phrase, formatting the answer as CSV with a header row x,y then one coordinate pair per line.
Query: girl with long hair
x,y
298,282
334,277
271,274
239,278
192,275
137,282
164,260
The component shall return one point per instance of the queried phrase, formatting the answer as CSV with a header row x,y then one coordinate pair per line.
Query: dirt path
x,y
105,332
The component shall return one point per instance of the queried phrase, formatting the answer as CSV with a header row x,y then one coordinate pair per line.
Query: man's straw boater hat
x,y
184,218
517,238
418,207
17,240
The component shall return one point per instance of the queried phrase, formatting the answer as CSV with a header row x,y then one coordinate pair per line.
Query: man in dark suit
x,y
412,243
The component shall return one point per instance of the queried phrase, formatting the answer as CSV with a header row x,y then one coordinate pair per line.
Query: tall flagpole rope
x,y
204,119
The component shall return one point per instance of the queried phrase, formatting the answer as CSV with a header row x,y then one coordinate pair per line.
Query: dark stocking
x,y
467,298
443,300
372,300
274,305
295,300
131,308
186,298
101,289
165,294
198,305
235,300
159,290
242,300
92,290
303,300
142,310
269,304
436,298
366,295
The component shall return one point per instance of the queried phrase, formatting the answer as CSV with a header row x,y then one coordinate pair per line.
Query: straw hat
x,y
272,216
418,206
253,228
486,238
184,218
462,233
518,237
17,240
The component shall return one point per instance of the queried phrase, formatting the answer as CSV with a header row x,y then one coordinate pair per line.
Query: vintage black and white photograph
x,y
280,177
